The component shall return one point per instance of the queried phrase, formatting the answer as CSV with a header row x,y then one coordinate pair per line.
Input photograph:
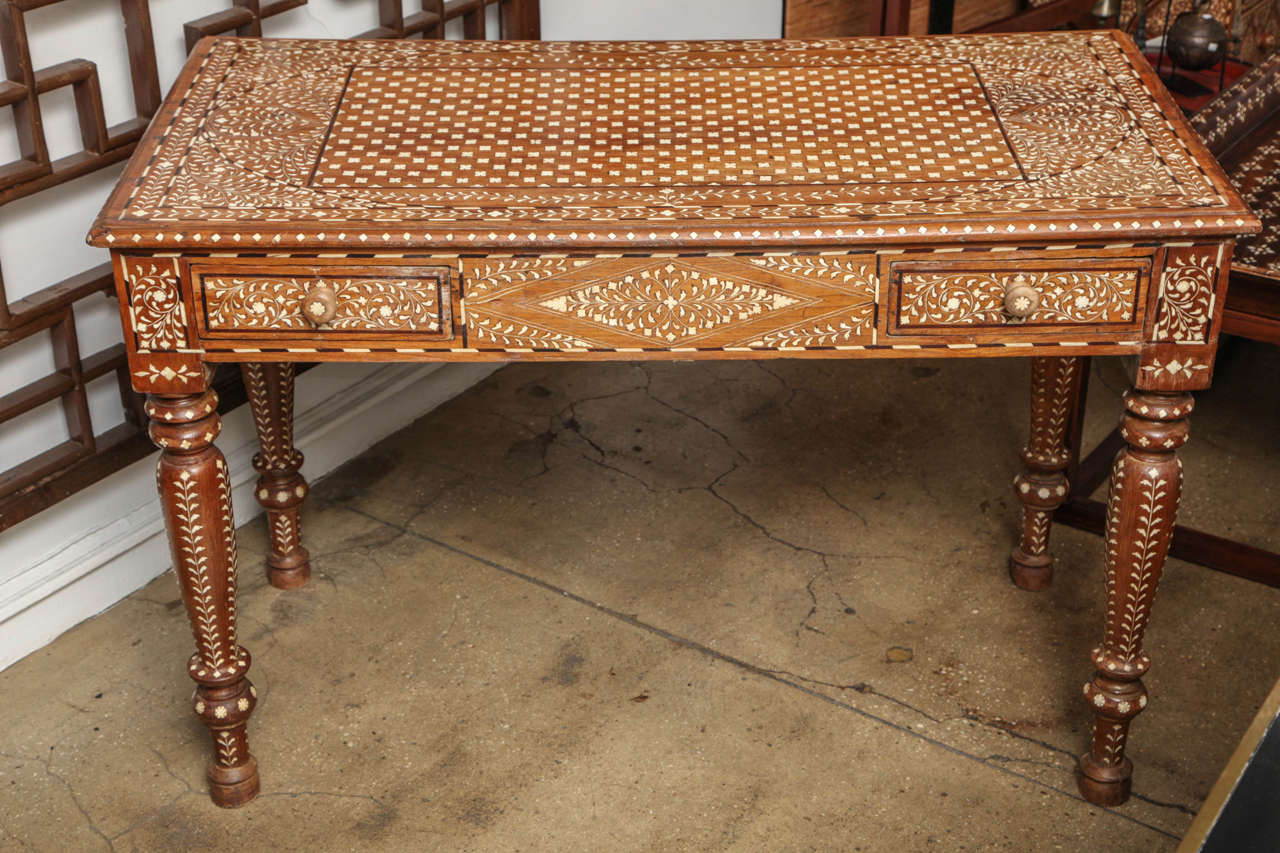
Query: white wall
x,y
661,19
89,551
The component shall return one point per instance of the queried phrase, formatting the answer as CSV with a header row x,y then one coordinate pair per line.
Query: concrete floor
x,y
736,606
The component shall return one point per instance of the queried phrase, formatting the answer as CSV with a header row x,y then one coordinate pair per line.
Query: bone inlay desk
x,y
1033,196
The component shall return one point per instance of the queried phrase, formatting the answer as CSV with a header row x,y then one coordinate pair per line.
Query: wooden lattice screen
x,y
29,485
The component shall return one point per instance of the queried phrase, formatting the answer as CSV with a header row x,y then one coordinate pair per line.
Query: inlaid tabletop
x,y
519,144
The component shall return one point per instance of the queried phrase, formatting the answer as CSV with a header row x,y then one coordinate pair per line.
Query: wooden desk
x,y
976,196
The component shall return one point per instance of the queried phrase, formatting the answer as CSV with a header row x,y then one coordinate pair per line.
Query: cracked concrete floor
x,y
733,606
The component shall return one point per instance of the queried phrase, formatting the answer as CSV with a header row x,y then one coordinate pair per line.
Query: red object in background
x,y
1193,89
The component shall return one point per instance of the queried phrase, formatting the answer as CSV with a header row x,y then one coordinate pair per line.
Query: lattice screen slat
x,y
31,484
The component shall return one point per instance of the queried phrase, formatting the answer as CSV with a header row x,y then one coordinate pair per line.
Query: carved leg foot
x,y
1146,482
196,497
1043,485
280,488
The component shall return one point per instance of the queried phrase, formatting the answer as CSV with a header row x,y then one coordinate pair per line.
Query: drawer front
x,y
1025,296
330,301
670,303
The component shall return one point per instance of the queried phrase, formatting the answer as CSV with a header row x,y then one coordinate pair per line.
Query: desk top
x,y
542,145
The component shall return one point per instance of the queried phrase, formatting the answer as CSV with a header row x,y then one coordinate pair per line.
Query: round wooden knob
x,y
1020,298
321,305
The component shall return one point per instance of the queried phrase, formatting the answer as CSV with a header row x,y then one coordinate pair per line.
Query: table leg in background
x,y
1042,486
280,488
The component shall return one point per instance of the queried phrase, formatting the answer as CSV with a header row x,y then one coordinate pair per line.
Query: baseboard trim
x,y
352,407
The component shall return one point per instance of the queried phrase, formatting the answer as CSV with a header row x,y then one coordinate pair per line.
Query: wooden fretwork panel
x,y
244,18
20,92
28,485
519,19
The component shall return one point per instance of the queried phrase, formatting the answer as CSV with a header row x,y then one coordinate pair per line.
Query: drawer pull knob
x,y
1020,298
320,306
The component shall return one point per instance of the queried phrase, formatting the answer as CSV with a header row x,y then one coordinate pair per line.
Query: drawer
x,y
1008,298
249,297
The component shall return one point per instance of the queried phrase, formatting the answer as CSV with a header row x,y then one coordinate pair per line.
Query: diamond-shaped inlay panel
x,y
655,303
670,304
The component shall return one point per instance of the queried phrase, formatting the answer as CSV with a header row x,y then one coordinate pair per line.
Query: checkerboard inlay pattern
x,y
566,127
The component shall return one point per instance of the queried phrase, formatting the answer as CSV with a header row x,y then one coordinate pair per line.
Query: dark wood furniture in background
x,y
89,454
1032,195
1242,128
1255,22
825,18
820,18
1254,25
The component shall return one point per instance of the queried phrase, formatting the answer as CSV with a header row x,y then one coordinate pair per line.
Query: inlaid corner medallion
x,y
958,298
657,303
157,315
275,302
332,132
1187,287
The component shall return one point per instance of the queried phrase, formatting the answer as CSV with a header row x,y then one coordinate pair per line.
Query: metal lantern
x,y
1196,39
1105,10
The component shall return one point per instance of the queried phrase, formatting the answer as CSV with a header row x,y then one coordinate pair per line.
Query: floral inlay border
x,y
156,311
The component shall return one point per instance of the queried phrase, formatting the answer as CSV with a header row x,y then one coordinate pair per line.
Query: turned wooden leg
x,y
1146,482
195,494
280,488
1043,485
